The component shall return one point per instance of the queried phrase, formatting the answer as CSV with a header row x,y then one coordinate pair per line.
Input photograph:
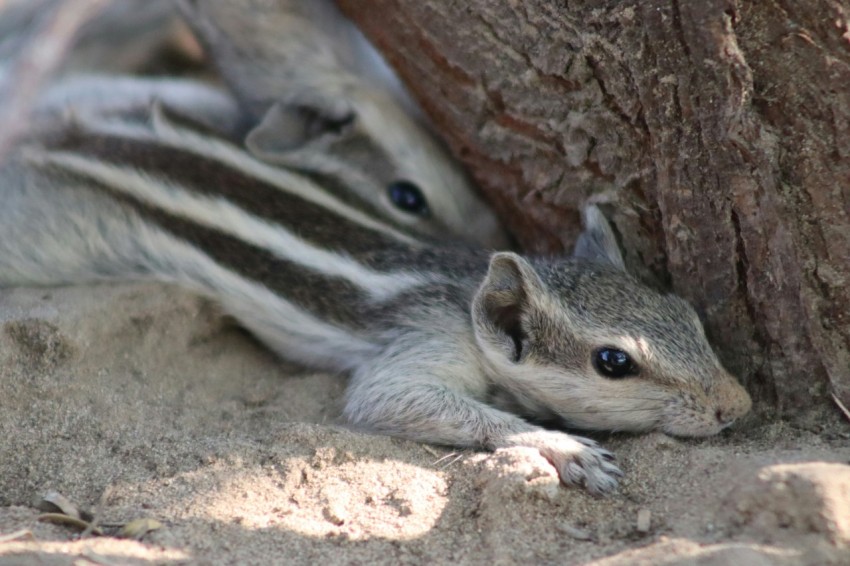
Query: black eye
x,y
408,197
612,362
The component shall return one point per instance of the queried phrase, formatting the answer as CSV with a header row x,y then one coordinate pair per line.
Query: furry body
x,y
446,344
305,92
271,200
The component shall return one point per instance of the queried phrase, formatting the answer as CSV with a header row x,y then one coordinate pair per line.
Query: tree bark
x,y
718,129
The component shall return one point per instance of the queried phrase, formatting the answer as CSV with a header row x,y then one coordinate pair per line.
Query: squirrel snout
x,y
706,415
726,417
733,402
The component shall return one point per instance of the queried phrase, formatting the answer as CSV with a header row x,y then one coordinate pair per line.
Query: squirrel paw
x,y
579,461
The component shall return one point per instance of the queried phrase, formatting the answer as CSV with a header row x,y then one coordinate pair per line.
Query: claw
x,y
573,473
612,470
602,484
579,461
606,455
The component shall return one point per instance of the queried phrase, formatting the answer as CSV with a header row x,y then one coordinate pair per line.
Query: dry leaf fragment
x,y
68,521
138,528
55,502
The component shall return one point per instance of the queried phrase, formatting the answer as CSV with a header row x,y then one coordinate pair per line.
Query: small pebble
x,y
644,517
574,532
335,515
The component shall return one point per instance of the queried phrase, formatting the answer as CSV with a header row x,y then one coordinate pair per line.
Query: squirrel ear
x,y
290,126
597,242
502,300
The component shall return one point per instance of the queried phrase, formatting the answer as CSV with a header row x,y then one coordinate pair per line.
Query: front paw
x,y
579,461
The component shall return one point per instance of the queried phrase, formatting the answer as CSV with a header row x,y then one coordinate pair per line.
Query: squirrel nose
x,y
724,417
731,401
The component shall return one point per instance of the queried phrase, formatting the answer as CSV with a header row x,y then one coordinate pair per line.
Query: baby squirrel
x,y
446,344
316,89
306,92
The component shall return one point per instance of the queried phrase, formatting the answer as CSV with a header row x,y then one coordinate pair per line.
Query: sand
x,y
141,401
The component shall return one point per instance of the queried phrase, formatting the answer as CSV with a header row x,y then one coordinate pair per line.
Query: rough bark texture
x,y
718,129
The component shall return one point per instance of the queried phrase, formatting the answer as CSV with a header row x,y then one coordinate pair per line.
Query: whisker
x,y
457,457
660,399
447,456
604,411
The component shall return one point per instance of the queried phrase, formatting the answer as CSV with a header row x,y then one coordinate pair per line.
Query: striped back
x,y
248,234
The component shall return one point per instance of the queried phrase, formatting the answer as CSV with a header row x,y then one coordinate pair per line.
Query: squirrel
x,y
444,343
314,85
305,92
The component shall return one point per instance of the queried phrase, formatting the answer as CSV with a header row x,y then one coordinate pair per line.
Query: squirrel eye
x,y
611,362
408,197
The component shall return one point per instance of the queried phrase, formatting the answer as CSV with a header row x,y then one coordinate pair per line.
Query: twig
x,y
41,56
841,406
17,535
98,512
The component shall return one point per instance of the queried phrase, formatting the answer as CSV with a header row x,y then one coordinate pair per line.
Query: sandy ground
x,y
144,402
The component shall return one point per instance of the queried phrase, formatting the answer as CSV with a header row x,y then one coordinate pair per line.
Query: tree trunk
x,y
717,129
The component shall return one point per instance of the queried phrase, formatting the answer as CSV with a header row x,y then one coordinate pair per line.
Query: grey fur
x,y
307,93
444,343
123,37
598,242
323,100
450,345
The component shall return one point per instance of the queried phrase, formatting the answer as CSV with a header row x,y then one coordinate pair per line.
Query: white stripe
x,y
165,133
225,217
79,239
280,178
287,329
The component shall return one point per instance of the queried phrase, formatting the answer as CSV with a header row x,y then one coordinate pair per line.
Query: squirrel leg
x,y
390,399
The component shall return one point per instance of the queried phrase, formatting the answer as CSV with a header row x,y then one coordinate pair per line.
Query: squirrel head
x,y
364,141
322,101
582,340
